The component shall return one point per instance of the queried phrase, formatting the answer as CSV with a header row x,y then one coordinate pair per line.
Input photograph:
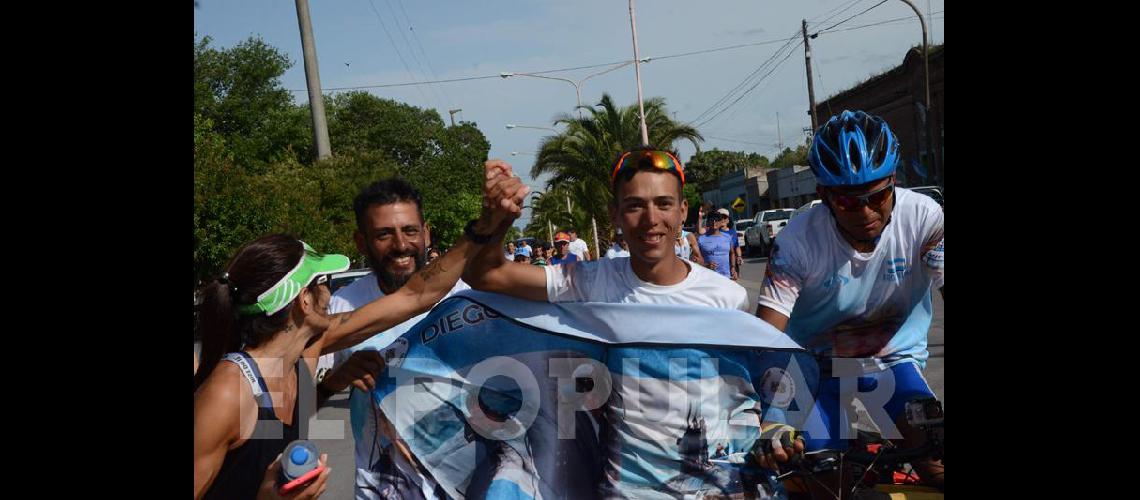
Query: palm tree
x,y
549,209
581,157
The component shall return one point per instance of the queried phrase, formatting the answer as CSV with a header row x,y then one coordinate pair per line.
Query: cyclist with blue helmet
x,y
851,279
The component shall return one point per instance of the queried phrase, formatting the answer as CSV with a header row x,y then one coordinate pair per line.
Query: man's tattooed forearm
x,y
432,270
344,316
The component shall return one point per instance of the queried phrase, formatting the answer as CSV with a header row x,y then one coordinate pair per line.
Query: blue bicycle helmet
x,y
853,148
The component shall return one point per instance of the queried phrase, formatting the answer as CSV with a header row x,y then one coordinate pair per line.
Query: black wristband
x,y
323,393
469,232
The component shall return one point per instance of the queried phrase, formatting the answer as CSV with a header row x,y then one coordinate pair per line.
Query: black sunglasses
x,y
851,202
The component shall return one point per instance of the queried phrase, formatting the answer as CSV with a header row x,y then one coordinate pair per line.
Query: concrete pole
x,y
313,80
811,88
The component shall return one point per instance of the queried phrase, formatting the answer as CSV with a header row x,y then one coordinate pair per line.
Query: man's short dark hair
x,y
385,192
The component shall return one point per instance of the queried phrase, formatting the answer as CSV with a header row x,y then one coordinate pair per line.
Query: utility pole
x,y
637,72
811,88
452,113
313,80
779,134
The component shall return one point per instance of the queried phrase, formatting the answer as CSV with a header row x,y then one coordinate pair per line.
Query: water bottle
x,y
299,458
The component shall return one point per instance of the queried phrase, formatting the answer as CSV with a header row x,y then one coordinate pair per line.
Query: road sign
x,y
738,205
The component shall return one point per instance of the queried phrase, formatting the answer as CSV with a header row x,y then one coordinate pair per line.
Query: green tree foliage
x,y
581,156
225,202
254,171
788,157
312,202
359,121
444,163
239,90
513,234
707,166
693,195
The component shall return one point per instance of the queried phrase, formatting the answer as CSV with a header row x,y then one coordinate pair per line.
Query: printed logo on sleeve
x,y
934,257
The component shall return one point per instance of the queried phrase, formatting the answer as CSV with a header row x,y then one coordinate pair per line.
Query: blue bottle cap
x,y
299,455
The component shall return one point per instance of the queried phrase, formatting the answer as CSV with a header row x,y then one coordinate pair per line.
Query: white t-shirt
x,y
613,281
616,251
845,303
363,422
578,247
684,249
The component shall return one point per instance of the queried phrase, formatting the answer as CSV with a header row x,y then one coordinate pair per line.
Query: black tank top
x,y
244,466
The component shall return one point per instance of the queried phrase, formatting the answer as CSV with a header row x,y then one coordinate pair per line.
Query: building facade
x,y
750,185
791,187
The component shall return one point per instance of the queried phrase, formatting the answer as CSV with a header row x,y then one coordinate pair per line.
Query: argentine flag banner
x,y
502,398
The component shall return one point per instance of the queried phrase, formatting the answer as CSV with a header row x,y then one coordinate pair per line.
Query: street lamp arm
x,y
617,67
511,126
925,50
926,81
508,74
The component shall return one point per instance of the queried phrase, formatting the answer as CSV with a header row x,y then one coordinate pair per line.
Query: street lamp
x,y
934,163
578,84
511,126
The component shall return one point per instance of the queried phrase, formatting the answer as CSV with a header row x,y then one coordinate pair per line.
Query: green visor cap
x,y
311,266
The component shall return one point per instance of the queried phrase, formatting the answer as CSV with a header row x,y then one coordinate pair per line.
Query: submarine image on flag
x,y
697,472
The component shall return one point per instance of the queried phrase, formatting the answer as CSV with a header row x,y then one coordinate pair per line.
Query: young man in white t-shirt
x,y
578,246
524,249
852,277
620,248
649,208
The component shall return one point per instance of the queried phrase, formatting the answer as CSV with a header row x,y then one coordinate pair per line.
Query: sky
x,y
368,43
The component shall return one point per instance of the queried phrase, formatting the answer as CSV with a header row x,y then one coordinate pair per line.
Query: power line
x,y
749,136
750,89
868,9
412,52
753,87
464,79
416,37
397,49
832,16
732,140
737,109
769,42
816,64
880,23
843,6
548,71
833,13
742,83
592,66
602,65
388,85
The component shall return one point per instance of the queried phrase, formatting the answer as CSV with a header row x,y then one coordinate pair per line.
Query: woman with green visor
x,y
264,323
